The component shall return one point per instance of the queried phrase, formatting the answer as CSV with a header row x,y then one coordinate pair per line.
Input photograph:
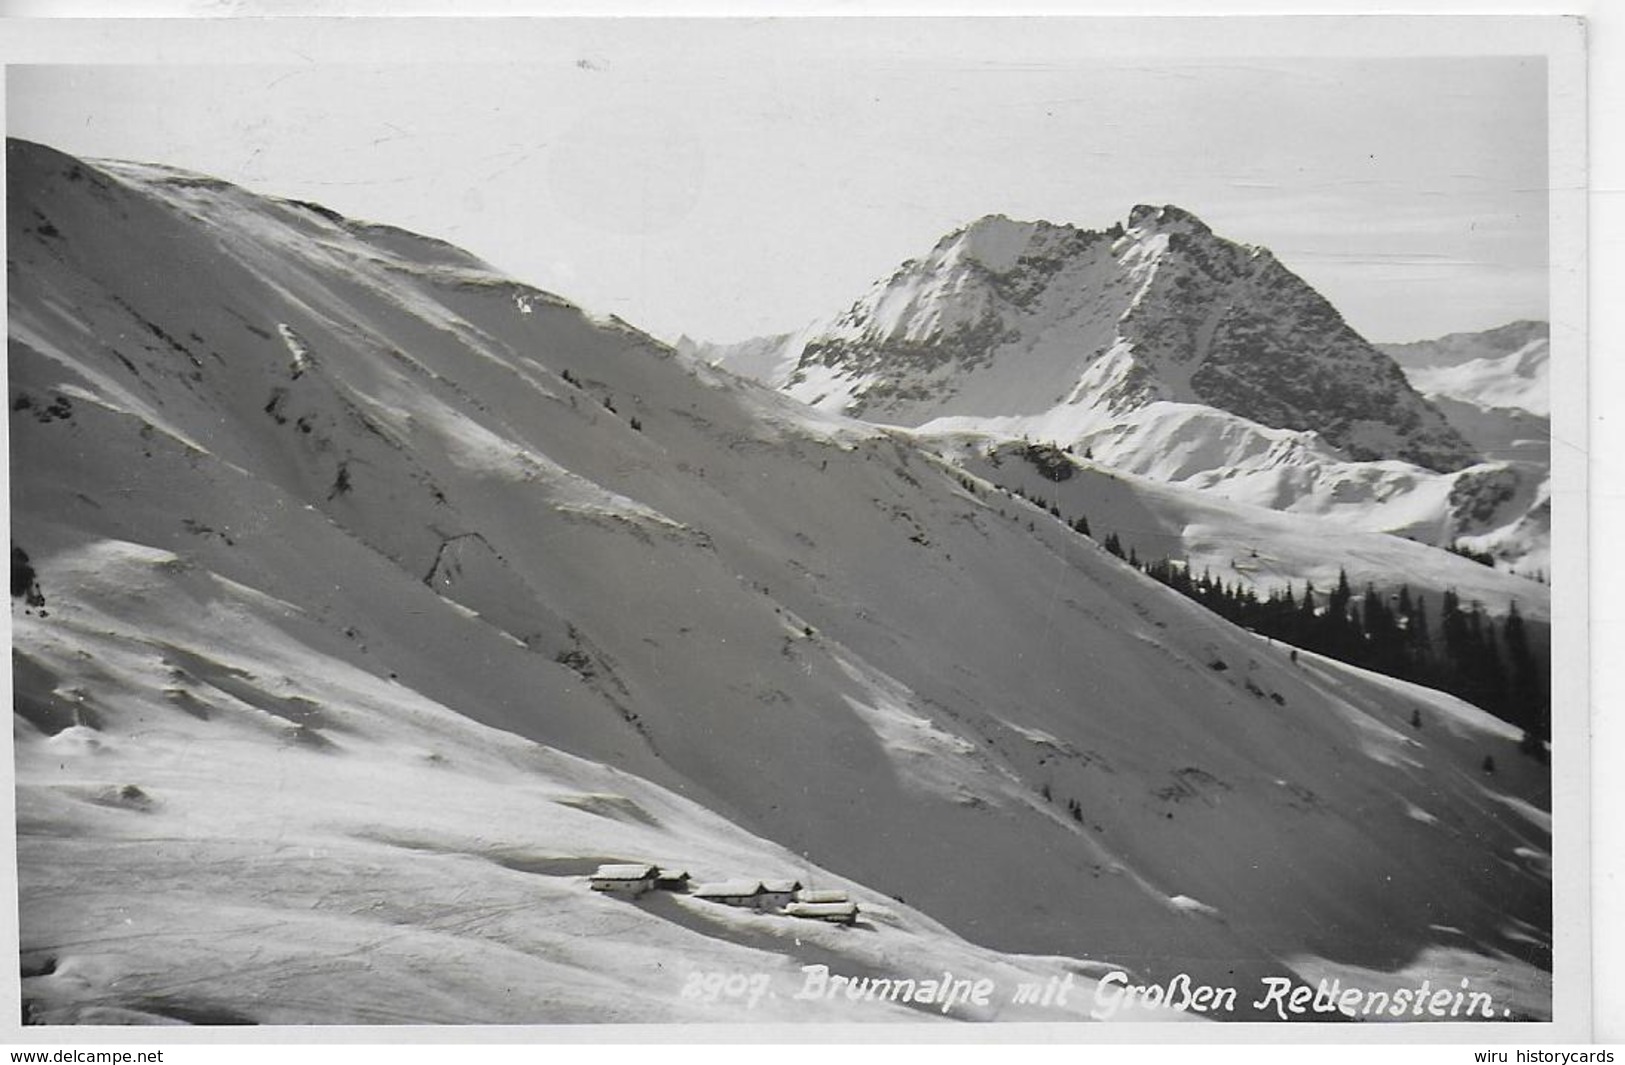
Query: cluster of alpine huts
x,y
786,897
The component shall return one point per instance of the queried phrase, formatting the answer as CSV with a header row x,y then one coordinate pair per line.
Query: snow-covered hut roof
x,y
781,887
627,871
729,889
822,909
822,895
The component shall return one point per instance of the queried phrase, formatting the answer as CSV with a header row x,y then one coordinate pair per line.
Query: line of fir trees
x,y
1486,661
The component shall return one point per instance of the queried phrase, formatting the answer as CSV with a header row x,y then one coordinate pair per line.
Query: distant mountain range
x,y
1453,349
1501,369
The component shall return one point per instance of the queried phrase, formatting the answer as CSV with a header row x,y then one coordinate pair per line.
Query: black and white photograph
x,y
801,523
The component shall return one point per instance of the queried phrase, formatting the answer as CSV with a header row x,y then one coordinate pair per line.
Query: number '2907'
x,y
713,987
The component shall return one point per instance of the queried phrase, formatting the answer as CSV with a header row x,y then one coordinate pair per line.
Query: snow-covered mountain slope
x,y
1516,380
1202,449
310,500
275,836
1502,434
770,358
1257,547
1494,386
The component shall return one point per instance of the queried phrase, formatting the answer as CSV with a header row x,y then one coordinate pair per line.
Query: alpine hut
x,y
630,879
827,895
832,912
745,893
777,894
672,880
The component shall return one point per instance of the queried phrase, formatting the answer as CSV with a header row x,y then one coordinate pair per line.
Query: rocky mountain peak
x,y
1007,318
1144,219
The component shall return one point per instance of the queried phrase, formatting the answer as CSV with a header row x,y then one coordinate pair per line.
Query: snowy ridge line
x,y
1177,521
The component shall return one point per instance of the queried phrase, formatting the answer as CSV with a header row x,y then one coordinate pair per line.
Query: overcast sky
x,y
742,178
